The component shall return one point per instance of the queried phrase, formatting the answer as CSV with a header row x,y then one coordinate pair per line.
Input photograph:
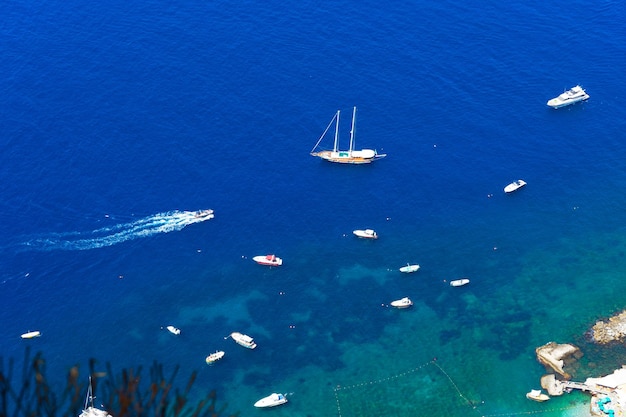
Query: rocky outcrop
x,y
552,385
614,329
556,357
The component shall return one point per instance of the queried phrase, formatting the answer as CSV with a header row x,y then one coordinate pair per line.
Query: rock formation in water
x,y
557,356
613,330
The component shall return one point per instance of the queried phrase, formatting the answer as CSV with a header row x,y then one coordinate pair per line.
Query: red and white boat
x,y
270,260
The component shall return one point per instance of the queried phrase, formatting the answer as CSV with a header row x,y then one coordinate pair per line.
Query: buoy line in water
x,y
409,372
468,403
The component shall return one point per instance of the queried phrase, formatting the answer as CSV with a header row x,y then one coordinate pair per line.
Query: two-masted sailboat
x,y
351,156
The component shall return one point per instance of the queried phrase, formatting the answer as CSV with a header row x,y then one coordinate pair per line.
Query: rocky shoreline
x,y
612,330
608,392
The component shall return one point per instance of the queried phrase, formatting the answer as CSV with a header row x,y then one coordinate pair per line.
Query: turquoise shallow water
x,y
120,117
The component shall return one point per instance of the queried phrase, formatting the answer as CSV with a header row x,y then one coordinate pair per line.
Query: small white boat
x,y
270,260
173,330
571,96
214,357
204,214
514,186
402,303
537,395
271,400
30,335
243,340
365,234
459,282
409,268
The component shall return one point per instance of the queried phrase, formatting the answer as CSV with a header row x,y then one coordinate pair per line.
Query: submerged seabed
x,y
121,119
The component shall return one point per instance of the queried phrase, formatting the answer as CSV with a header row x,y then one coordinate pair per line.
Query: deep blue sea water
x,y
117,117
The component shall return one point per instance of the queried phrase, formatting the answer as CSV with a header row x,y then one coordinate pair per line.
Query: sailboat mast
x,y
353,130
336,133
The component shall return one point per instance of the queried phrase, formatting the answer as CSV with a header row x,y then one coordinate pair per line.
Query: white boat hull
x,y
272,400
243,340
214,357
402,303
514,186
365,234
409,269
573,95
30,335
459,282
269,260
173,330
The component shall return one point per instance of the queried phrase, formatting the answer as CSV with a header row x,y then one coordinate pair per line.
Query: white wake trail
x,y
112,235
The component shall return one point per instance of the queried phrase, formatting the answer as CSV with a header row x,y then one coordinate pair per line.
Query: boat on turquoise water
x,y
571,96
88,409
271,400
269,260
514,186
214,357
173,330
30,335
365,233
537,395
402,303
409,268
459,282
243,340
350,156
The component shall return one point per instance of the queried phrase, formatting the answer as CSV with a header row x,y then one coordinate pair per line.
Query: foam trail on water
x,y
112,235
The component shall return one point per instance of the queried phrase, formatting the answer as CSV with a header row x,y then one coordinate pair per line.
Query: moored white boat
x,y
30,335
571,96
409,268
365,234
351,156
537,395
270,260
173,330
514,186
402,303
243,340
459,282
214,357
271,400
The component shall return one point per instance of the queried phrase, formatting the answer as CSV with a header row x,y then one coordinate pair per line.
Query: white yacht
x,y
571,96
271,400
402,303
514,186
243,340
365,234
30,335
